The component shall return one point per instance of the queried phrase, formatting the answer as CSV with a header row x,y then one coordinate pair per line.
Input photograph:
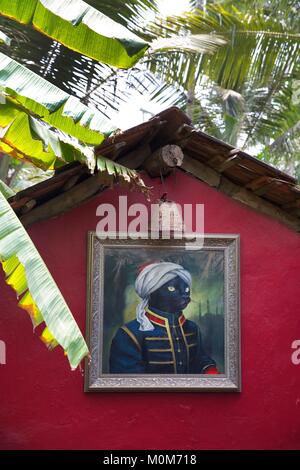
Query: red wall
x,y
42,403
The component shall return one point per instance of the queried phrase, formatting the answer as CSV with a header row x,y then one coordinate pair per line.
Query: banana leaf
x,y
4,39
113,171
6,190
30,139
38,294
56,107
79,27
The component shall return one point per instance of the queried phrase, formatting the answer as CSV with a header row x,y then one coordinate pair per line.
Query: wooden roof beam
x,y
221,163
136,158
230,162
163,160
239,193
292,205
65,201
182,135
263,184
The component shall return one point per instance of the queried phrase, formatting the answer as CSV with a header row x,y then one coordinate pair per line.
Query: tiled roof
x,y
217,163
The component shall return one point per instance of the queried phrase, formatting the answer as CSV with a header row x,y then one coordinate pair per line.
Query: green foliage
x,y
44,100
31,139
4,39
242,93
5,190
28,275
80,27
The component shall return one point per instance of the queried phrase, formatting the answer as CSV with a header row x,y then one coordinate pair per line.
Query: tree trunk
x,y
191,99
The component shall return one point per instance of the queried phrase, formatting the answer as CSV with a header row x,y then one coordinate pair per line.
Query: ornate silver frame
x,y
95,381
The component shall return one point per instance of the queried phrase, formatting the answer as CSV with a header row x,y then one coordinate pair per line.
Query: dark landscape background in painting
x,y
206,307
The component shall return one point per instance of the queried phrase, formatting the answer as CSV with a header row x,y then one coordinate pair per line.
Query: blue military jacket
x,y
172,347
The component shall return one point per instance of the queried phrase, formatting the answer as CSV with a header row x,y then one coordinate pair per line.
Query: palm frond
x,y
199,43
133,14
257,45
258,48
94,84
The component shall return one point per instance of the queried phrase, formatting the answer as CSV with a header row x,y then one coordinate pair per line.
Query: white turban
x,y
151,278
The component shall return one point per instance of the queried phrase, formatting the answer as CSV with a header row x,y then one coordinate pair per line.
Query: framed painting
x,y
163,314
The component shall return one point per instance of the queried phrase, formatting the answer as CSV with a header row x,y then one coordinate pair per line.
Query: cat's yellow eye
x,y
171,288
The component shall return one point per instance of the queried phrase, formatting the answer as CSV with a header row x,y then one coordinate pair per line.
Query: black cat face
x,y
172,297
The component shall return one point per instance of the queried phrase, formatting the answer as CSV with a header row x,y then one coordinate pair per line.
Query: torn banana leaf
x,y
4,39
79,27
113,171
6,190
30,139
38,294
48,102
